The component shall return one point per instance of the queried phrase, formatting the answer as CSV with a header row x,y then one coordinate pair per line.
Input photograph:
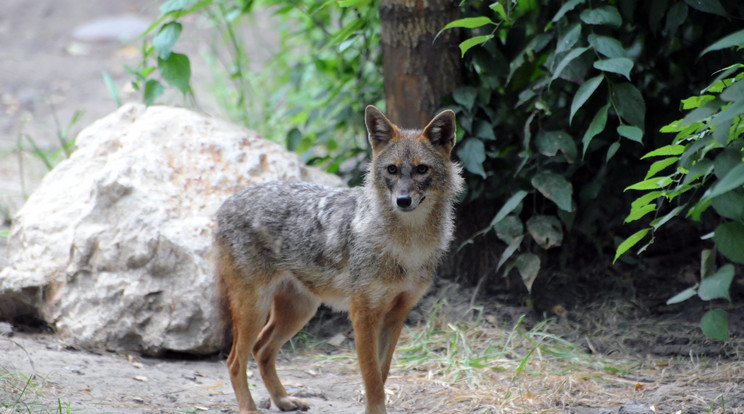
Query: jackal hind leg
x,y
248,318
290,311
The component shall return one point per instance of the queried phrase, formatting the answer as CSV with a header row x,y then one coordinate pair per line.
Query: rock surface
x,y
112,248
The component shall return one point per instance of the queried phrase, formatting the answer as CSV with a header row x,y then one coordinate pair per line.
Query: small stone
x,y
122,28
633,407
6,329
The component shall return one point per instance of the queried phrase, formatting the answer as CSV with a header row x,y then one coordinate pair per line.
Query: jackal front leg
x,y
389,331
366,322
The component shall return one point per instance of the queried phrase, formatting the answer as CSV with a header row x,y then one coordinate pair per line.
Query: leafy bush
x,y
700,169
311,95
560,101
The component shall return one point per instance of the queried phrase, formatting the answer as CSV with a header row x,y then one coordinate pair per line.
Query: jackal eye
x,y
392,169
422,169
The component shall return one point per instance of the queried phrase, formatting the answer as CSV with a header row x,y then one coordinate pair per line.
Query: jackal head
x,y
412,166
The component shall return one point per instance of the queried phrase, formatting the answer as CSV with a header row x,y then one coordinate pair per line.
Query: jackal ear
x,y
441,131
380,130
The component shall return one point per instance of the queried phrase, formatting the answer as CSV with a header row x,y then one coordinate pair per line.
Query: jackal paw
x,y
292,404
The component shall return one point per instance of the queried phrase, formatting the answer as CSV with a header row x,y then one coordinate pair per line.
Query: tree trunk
x,y
417,69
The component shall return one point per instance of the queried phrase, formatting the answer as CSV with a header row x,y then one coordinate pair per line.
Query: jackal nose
x,y
403,201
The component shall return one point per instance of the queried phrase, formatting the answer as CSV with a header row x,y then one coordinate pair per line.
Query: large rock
x,y
113,247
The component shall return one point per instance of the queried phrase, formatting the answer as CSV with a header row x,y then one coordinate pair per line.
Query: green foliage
x,y
310,96
702,168
571,92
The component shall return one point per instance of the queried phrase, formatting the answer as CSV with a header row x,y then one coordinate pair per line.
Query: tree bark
x,y
417,69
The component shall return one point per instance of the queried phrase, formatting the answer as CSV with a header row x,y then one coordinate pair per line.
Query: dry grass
x,y
477,367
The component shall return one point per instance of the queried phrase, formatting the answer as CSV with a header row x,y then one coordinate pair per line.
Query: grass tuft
x,y
25,394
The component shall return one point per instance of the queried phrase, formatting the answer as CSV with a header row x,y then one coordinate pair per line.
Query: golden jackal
x,y
282,248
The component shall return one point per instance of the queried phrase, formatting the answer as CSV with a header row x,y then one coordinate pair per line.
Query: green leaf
x,y
465,96
721,133
605,15
630,242
730,204
611,151
549,143
733,179
683,295
716,286
702,113
733,92
565,8
666,150
353,3
696,102
650,184
472,154
726,161
176,70
631,132
733,40
645,199
509,251
509,229
528,265
113,90
484,130
569,39
657,223
715,324
707,263
472,42
570,56
731,111
595,127
470,22
619,65
294,138
629,103
498,8
708,6
583,93
348,31
729,239
554,187
166,38
153,90
608,46
675,17
173,5
698,209
509,206
637,213
545,230
660,165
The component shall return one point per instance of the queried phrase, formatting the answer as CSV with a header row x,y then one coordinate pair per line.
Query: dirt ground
x,y
624,354
600,359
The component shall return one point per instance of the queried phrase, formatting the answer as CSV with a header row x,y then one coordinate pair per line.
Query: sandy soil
x,y
123,383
